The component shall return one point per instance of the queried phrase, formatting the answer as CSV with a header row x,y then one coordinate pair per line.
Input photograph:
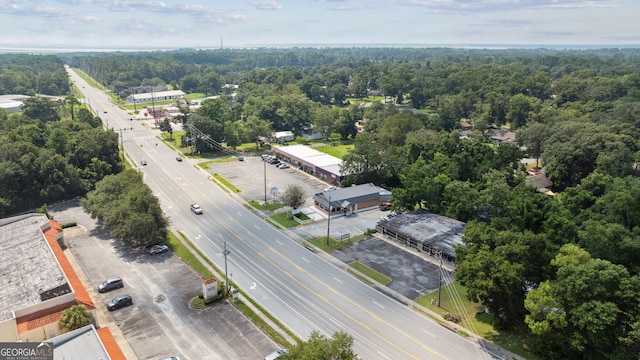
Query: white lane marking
x,y
378,304
427,332
381,354
306,260
239,214
336,279
279,242
253,286
257,227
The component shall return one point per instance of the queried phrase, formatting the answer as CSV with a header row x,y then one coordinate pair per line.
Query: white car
x,y
283,166
196,209
276,354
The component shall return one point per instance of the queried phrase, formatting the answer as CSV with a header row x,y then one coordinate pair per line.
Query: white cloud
x,y
266,5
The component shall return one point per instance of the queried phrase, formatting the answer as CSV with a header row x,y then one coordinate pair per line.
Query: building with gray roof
x,y
424,231
80,344
351,199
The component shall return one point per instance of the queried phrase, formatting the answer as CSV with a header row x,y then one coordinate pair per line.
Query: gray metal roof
x,y
353,194
439,232
28,267
80,344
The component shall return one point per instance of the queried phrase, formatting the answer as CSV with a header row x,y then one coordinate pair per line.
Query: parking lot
x,y
413,274
160,323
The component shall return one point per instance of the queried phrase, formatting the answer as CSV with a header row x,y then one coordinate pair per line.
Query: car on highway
x,y
143,162
158,249
110,284
178,159
196,209
119,302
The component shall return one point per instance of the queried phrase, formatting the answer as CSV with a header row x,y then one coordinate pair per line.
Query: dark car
x,y
119,302
110,284
158,249
179,159
385,206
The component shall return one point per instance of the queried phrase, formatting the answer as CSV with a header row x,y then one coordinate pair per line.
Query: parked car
x,y
196,209
110,284
283,166
143,162
240,158
179,159
119,302
265,157
172,358
276,354
384,206
273,161
329,188
533,172
158,249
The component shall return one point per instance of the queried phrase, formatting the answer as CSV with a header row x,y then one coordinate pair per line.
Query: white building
x,y
155,96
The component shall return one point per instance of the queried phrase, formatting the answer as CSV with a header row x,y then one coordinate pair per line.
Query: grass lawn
x,y
186,255
481,322
270,206
338,151
226,183
365,100
284,219
364,269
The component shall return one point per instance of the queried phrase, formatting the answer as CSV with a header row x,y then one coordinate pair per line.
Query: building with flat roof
x,y
38,283
12,103
312,161
424,231
155,96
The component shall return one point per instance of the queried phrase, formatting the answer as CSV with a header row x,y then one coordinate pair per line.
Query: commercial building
x,y
38,283
352,199
424,231
305,158
155,96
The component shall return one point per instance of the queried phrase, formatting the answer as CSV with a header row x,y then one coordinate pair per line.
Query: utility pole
x,y
265,180
226,252
440,279
329,220
122,145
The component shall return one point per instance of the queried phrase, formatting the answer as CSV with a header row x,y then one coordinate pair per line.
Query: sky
x,y
212,24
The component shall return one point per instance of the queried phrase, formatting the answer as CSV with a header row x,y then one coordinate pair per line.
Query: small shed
x,y
284,136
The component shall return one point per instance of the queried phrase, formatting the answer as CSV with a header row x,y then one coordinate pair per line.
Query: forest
x,y
564,266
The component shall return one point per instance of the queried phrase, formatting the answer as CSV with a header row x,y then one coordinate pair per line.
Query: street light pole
x,y
226,252
265,180
329,221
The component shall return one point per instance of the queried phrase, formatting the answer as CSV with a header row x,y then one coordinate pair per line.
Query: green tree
x,y
319,347
293,196
40,108
533,137
590,311
75,317
71,102
165,126
127,207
